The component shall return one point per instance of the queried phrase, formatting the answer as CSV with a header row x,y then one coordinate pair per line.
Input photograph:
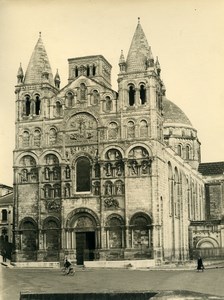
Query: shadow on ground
x,y
165,295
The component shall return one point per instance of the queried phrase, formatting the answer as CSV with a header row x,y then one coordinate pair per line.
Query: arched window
x,y
108,104
27,105
83,175
96,97
131,95
143,129
187,152
52,136
130,129
112,131
94,70
37,137
142,94
58,109
69,97
26,139
83,90
179,150
4,215
37,105
76,71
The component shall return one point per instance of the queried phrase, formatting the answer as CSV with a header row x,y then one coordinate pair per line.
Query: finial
x,y
138,20
39,34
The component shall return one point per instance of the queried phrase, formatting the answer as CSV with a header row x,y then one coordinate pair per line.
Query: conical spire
x,y
20,74
39,67
139,51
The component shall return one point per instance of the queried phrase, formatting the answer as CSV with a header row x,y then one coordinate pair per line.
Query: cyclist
x,y
68,266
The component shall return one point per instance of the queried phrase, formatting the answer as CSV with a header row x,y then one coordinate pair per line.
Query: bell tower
x,y
140,87
37,86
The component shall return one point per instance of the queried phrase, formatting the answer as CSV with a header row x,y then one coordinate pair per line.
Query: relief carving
x,y
111,203
83,128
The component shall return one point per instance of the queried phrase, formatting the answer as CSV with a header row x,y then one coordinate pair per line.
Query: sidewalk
x,y
192,265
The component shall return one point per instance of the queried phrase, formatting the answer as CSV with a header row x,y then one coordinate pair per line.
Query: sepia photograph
x,y
112,149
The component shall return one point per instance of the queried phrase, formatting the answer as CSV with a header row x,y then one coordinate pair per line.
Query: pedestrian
x,y
200,264
4,255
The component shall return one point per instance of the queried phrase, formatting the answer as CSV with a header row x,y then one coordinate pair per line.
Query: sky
x,y
186,35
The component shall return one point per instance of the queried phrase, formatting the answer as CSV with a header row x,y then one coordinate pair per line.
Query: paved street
x,y
15,280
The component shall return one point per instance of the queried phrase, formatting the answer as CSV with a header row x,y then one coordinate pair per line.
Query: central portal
x,y
85,246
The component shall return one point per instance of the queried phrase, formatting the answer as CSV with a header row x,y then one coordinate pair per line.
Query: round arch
x,y
141,214
46,152
23,154
53,219
207,243
79,212
129,149
116,147
114,216
28,220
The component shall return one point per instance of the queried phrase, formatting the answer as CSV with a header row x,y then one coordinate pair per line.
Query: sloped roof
x,y
38,64
212,168
173,114
138,51
6,199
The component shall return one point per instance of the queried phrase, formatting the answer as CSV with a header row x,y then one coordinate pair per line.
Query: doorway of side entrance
x,y
85,246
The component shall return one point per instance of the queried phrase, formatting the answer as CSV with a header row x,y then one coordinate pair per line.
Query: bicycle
x,y
68,271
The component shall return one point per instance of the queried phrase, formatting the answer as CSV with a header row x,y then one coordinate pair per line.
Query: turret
x,y
122,63
57,80
20,75
157,64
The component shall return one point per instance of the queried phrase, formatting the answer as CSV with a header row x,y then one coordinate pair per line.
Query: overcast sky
x,y
187,36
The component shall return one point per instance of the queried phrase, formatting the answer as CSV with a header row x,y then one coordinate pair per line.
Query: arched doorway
x,y
85,239
84,224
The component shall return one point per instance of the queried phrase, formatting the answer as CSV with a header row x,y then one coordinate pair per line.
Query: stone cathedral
x,y
104,175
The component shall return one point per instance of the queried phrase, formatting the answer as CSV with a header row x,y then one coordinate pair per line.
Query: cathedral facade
x,y
100,174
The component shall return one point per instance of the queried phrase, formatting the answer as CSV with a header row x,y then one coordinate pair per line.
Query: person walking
x,y
4,255
200,265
